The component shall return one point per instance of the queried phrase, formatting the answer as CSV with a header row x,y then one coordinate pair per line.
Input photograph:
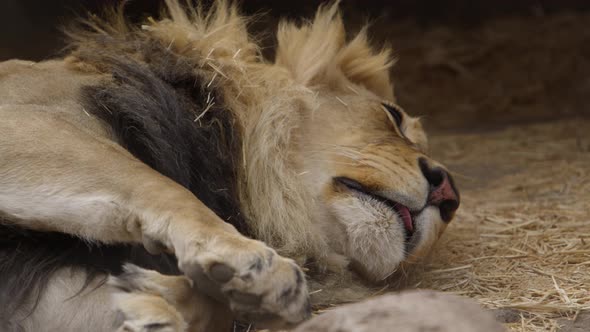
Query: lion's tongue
x,y
404,213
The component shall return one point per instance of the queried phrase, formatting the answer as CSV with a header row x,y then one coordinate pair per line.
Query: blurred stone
x,y
410,311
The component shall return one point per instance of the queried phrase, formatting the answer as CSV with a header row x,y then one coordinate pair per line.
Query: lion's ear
x,y
362,65
308,50
316,53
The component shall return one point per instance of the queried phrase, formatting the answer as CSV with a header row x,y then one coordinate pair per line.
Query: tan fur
x,y
313,114
86,311
169,300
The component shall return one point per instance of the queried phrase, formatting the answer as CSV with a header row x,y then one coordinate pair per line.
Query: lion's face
x,y
380,199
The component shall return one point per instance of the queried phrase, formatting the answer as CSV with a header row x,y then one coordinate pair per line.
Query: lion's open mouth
x,y
402,211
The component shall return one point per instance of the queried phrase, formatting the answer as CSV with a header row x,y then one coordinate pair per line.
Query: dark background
x,y
464,65
29,29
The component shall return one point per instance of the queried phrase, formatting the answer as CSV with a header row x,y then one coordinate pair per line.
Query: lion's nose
x,y
442,192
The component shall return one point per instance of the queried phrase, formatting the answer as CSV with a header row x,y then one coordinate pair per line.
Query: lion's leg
x,y
137,300
149,301
55,177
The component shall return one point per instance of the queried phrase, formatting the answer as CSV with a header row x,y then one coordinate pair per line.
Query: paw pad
x,y
221,273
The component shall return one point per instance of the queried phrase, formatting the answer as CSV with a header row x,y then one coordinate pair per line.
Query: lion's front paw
x,y
146,313
257,283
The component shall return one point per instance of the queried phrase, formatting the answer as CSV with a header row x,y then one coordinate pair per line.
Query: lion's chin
x,y
373,238
377,242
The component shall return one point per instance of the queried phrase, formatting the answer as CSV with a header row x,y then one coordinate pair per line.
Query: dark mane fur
x,y
151,104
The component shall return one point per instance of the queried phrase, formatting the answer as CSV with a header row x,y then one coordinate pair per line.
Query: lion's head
x,y
379,199
332,170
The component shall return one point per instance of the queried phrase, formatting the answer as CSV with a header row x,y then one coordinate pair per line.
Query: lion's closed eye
x,y
405,125
394,113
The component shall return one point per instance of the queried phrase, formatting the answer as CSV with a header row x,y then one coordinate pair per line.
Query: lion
x,y
167,177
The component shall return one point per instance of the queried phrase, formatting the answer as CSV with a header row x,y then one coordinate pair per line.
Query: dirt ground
x,y
506,102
